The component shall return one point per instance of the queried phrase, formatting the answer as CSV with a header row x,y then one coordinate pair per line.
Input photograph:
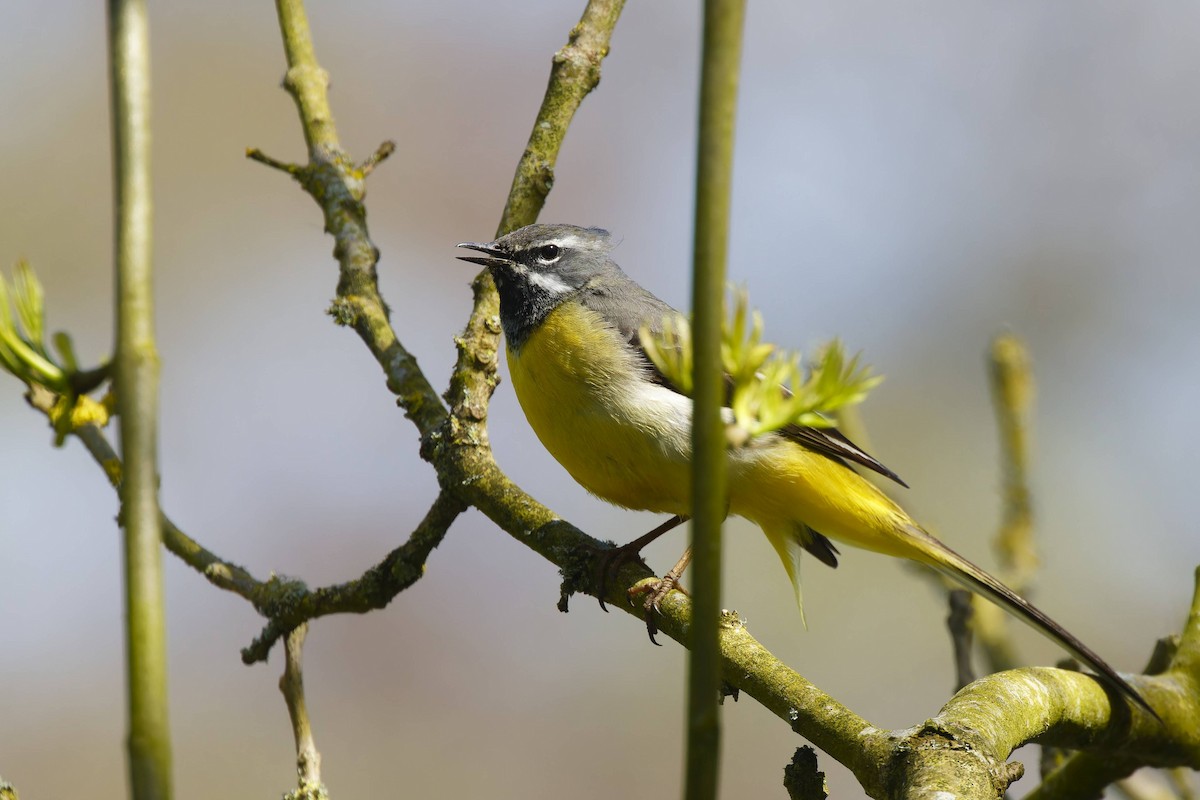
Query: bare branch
x,y
291,684
284,601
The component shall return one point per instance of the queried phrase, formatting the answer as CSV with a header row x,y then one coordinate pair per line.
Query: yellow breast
x,y
623,438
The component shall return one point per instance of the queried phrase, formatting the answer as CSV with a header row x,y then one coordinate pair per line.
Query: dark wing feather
x,y
819,546
833,443
627,307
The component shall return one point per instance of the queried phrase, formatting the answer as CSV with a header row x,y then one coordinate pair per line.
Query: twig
x,y
1013,394
338,186
291,684
1084,775
720,61
1182,782
1012,385
1140,786
802,779
574,73
377,587
959,623
137,400
285,602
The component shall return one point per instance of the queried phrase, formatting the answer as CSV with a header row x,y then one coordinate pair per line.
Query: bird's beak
x,y
496,256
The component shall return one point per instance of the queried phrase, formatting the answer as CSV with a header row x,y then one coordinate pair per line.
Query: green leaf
x,y
66,351
770,388
21,351
6,320
29,298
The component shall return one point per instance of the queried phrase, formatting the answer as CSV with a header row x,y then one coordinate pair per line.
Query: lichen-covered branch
x,y
574,73
339,185
291,684
289,603
284,601
1067,709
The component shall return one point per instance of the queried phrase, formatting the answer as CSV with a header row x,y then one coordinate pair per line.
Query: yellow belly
x,y
628,441
624,440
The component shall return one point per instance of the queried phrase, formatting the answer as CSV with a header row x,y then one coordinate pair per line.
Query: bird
x,y
573,321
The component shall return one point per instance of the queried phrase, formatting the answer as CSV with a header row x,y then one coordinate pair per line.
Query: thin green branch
x,y
1143,786
1013,392
1084,775
720,61
305,80
137,400
1012,385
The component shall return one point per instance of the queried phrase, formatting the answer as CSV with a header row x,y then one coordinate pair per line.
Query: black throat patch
x,y
524,304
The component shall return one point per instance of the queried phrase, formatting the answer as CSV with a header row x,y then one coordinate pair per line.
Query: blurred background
x,y
913,178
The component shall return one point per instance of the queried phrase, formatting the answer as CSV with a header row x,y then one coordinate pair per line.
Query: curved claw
x,y
655,590
610,561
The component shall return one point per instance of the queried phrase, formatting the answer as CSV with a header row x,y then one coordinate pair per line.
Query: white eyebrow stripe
x,y
570,240
574,242
548,281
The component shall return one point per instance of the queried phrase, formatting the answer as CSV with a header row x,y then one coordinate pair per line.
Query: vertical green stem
x,y
137,401
305,79
714,174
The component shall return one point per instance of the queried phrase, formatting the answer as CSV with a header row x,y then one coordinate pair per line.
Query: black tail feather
x,y
963,572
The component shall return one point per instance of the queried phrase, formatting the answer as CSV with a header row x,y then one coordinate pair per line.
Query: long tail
x,y
963,572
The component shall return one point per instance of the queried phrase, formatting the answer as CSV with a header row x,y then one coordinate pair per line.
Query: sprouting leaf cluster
x,y
769,388
24,354
22,337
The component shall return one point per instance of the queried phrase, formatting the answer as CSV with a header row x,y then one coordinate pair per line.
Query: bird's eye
x,y
548,253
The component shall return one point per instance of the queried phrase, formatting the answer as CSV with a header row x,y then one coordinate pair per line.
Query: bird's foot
x,y
608,562
654,591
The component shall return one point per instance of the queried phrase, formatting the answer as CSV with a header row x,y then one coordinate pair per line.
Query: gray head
x,y
539,266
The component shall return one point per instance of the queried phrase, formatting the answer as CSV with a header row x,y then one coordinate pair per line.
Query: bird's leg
x,y
609,561
656,590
